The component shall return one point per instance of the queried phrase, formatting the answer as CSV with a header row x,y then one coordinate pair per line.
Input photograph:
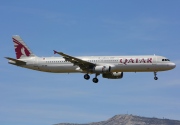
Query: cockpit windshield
x,y
165,60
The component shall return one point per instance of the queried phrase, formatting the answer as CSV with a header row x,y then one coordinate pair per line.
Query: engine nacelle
x,y
102,69
113,75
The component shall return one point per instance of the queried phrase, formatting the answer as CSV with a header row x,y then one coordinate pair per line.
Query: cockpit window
x,y
165,60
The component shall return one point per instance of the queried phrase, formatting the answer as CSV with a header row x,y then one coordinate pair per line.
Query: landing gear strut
x,y
86,76
155,76
95,80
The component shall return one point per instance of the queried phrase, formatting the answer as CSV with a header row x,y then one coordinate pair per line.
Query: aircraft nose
x,y
172,65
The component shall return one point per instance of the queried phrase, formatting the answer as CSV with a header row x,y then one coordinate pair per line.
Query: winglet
x,y
55,51
60,53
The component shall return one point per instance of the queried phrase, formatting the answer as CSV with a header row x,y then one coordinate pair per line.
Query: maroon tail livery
x,y
21,50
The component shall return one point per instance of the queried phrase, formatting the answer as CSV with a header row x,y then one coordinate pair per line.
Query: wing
x,y
84,65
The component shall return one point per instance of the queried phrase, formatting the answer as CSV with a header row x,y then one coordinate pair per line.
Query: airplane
x,y
111,67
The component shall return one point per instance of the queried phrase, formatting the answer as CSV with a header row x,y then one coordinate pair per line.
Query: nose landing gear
x,y
155,76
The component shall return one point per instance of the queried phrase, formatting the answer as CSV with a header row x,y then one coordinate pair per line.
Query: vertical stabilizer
x,y
21,49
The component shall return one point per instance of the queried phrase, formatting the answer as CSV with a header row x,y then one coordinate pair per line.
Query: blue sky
x,y
80,28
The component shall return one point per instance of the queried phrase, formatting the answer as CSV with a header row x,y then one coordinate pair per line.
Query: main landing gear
x,y
155,76
95,80
86,76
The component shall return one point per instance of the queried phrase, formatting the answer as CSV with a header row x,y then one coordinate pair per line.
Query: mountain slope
x,y
131,120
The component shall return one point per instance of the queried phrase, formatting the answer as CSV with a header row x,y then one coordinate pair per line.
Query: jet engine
x,y
102,69
113,75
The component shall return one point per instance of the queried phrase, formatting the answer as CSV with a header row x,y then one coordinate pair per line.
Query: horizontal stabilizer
x,y
15,61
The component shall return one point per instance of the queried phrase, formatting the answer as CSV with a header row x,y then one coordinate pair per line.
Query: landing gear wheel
x,y
95,80
86,76
155,78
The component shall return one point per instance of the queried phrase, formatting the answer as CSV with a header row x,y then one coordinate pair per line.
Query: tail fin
x,y
21,49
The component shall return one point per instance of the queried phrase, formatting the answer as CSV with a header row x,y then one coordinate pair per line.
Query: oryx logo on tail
x,y
20,48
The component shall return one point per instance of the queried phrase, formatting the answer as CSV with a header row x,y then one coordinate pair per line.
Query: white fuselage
x,y
150,63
